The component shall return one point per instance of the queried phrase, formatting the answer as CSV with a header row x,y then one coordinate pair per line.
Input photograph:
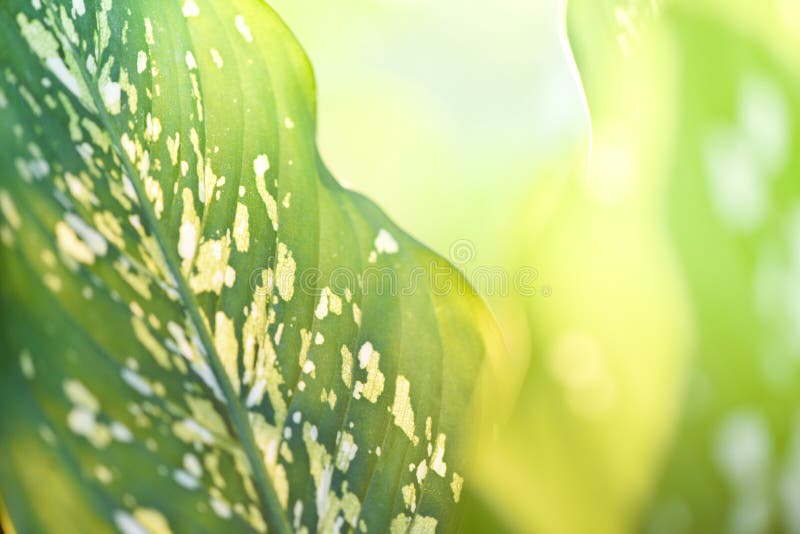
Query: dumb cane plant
x,y
189,340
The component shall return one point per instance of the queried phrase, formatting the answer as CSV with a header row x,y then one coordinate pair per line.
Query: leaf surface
x,y
202,330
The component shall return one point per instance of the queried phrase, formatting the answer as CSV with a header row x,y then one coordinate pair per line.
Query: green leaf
x,y
202,331
723,135
733,210
585,440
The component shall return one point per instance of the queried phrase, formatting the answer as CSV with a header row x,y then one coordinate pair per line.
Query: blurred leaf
x,y
194,338
584,445
733,202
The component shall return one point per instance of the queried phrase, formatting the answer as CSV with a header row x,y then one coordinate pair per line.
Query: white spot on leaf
x,y
190,9
243,28
385,243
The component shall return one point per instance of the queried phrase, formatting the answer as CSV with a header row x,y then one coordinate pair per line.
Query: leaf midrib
x,y
271,509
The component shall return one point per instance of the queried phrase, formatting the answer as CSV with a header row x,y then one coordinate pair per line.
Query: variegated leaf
x,y
197,331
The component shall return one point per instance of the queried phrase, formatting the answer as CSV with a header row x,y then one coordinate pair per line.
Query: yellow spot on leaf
x,y
173,144
423,525
347,452
241,228
152,520
212,269
400,524
347,366
80,396
153,346
141,61
410,496
108,225
71,246
9,210
189,229
456,485
205,415
261,166
138,282
437,462
422,471
305,345
402,410
217,58
369,359
227,347
285,272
